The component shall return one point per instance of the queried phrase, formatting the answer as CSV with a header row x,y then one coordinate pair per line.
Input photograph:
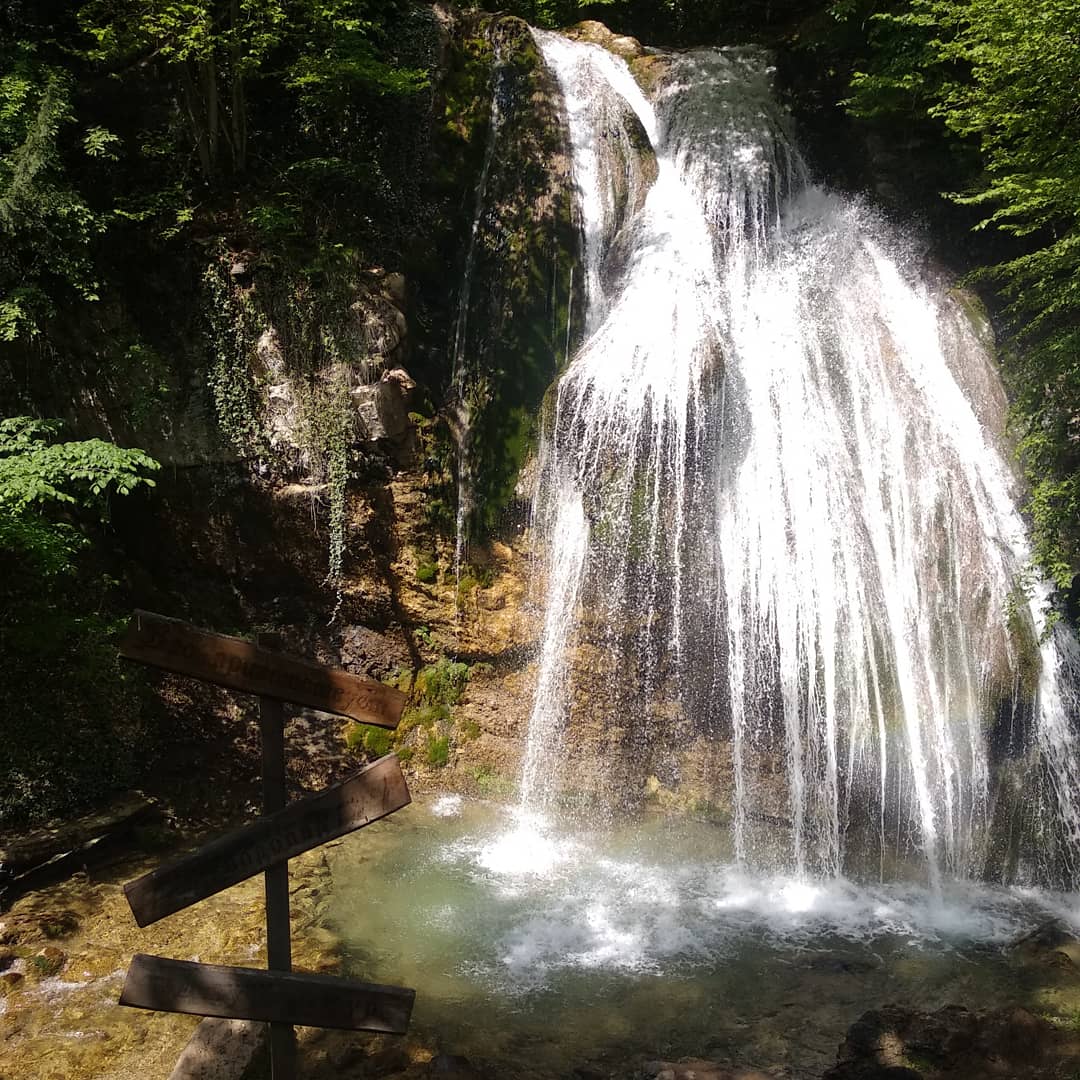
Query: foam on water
x,y
565,903
447,806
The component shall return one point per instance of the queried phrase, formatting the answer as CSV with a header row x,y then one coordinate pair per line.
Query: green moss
x,y
401,679
374,740
426,716
442,683
1025,643
469,730
427,572
521,312
438,750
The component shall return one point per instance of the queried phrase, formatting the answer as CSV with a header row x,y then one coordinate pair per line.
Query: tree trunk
x,y
213,122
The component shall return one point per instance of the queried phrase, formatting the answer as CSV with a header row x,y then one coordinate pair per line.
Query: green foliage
x,y
233,326
1001,75
70,719
326,433
36,472
46,226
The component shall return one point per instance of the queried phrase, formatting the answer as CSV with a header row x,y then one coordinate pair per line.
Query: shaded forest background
x,y
144,143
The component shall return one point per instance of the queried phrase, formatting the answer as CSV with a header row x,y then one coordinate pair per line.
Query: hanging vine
x,y
326,435
233,327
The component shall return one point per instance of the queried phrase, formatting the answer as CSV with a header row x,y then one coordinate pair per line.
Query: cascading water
x,y
768,496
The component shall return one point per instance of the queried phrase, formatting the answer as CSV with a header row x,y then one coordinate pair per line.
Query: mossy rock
x,y
46,962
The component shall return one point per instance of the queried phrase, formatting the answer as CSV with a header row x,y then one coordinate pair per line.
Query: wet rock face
x,y
896,1043
497,295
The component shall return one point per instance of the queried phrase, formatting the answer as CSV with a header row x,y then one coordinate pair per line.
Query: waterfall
x,y
773,507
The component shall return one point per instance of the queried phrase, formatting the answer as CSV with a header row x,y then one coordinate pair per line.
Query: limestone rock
x,y
367,652
1052,942
382,407
219,1050
596,33
379,323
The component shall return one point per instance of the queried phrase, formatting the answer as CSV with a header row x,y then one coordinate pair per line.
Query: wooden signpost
x,y
372,793
240,665
274,996
277,996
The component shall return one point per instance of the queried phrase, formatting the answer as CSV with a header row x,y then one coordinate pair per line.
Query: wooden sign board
x,y
239,665
277,997
372,793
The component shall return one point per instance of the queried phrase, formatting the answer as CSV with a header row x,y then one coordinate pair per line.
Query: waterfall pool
x,y
540,951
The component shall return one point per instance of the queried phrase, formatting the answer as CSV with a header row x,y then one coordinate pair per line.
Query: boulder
x,y
1053,942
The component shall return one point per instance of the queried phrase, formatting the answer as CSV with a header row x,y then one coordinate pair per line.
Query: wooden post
x,y
276,997
278,939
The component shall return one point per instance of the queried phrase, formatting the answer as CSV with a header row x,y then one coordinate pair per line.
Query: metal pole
x,y
278,943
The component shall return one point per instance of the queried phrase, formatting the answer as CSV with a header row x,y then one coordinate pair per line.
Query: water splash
x,y
769,494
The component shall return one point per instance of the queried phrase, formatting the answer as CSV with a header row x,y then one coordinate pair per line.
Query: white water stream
x,y
773,493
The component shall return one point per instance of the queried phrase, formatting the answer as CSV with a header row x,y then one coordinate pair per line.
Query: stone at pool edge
x,y
696,1069
896,1043
1052,942
452,1067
